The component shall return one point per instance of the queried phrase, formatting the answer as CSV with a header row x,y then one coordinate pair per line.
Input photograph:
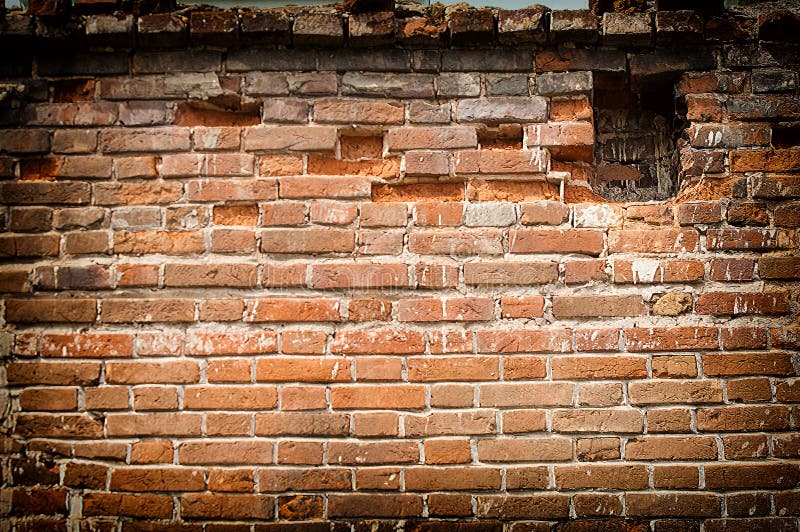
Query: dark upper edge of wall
x,y
406,25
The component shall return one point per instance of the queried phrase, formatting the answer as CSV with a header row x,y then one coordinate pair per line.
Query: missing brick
x,y
222,111
786,135
503,137
637,132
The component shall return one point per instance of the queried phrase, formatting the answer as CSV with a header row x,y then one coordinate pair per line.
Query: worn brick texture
x,y
300,270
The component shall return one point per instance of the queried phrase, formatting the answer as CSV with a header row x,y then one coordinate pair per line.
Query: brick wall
x,y
326,287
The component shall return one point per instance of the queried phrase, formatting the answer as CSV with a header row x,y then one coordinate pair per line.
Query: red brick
x,y
226,506
107,398
400,397
733,269
499,162
230,397
302,424
373,453
454,309
231,480
228,452
451,423
742,418
232,190
527,394
449,505
523,421
427,163
292,310
145,140
375,424
346,111
583,241
597,420
555,449
137,275
452,478
676,477
385,215
291,138
437,138
754,390
461,242
736,304
604,476
677,392
597,339
374,505
677,366
654,271
700,212
451,395
161,479
147,310
316,479
767,160
324,187
29,246
86,345
151,242
672,448
599,367
128,505
157,424
672,505
307,241
770,363
787,268
231,342
472,368
510,273
369,310
585,271
751,476
438,214
447,451
140,372
744,447
590,306
522,307
51,310
668,420
303,369
745,239
49,399
525,341
378,341
671,339
300,452
450,341
554,506
652,241
327,276
155,398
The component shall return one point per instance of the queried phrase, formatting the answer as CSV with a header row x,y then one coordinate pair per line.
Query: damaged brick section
x,y
390,267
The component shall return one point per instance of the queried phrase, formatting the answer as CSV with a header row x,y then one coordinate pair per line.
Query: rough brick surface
x,y
341,269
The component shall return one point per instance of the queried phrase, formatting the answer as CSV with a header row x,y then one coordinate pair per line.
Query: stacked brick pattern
x,y
379,293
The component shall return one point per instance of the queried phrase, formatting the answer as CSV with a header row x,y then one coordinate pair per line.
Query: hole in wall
x,y
217,113
786,135
502,137
637,132
780,26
